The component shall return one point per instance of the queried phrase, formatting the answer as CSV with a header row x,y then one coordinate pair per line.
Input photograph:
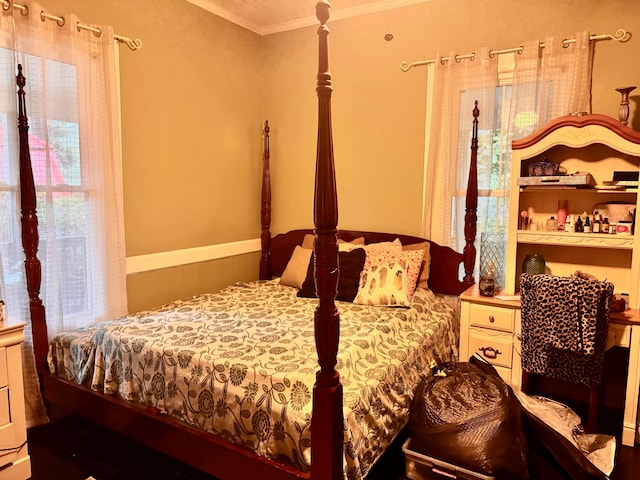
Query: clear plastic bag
x,y
581,455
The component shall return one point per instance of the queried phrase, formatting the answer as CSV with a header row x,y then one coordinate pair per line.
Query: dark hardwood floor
x,y
74,449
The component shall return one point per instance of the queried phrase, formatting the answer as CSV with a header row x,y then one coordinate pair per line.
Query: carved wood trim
x,y
578,122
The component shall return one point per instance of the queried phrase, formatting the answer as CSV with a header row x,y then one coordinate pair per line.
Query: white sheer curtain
x,y
72,104
458,83
550,82
537,85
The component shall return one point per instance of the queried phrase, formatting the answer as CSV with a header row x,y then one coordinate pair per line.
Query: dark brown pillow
x,y
351,265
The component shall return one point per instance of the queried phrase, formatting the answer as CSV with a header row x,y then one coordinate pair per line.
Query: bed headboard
x,y
445,262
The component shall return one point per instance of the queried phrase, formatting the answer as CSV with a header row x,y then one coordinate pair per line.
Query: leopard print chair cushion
x,y
564,326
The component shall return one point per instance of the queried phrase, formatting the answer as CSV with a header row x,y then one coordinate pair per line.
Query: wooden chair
x,y
564,331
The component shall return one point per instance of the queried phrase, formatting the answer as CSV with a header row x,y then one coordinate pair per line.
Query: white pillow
x,y
296,270
348,246
395,246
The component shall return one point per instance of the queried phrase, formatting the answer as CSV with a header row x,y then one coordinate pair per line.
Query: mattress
x,y
241,364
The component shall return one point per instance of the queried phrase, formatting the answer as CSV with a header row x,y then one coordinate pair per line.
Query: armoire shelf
x,y
593,240
596,144
595,189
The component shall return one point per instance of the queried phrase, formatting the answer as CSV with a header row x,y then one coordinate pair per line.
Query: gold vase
x,y
623,112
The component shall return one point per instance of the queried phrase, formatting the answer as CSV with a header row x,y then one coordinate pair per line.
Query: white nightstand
x,y
491,328
15,463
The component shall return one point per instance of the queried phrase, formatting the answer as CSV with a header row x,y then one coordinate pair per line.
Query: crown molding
x,y
336,14
226,14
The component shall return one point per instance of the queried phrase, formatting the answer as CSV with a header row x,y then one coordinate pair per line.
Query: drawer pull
x,y
490,352
492,319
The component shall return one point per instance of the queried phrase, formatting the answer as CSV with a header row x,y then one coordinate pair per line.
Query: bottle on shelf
x,y
563,206
596,227
523,220
587,225
605,225
579,226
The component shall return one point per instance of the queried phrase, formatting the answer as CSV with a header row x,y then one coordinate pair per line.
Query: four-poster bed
x,y
324,431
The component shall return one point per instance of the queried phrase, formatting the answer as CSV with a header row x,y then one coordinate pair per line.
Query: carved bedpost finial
x,y
20,80
322,11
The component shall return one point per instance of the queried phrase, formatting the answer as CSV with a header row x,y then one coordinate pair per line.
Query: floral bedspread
x,y
241,363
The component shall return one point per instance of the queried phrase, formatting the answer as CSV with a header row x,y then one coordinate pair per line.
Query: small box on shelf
x,y
578,179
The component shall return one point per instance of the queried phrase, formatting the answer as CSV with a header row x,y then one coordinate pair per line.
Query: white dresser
x,y
14,454
491,328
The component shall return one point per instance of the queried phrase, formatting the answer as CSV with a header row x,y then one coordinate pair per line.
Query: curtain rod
x,y
24,10
620,36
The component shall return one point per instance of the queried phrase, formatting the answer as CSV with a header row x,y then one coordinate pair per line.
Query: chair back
x,y
565,321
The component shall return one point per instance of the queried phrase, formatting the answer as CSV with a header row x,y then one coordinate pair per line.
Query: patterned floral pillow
x,y
384,284
412,258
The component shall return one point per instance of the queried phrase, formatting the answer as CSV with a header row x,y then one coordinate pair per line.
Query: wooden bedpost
x,y
327,433
30,237
265,212
471,207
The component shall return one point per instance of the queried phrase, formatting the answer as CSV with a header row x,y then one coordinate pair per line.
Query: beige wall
x,y
378,110
195,96
192,138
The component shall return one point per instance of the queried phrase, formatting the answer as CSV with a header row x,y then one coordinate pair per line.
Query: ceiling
x,y
271,16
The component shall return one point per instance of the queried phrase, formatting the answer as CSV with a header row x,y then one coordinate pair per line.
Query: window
x,y
63,194
73,106
74,141
494,160
501,122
